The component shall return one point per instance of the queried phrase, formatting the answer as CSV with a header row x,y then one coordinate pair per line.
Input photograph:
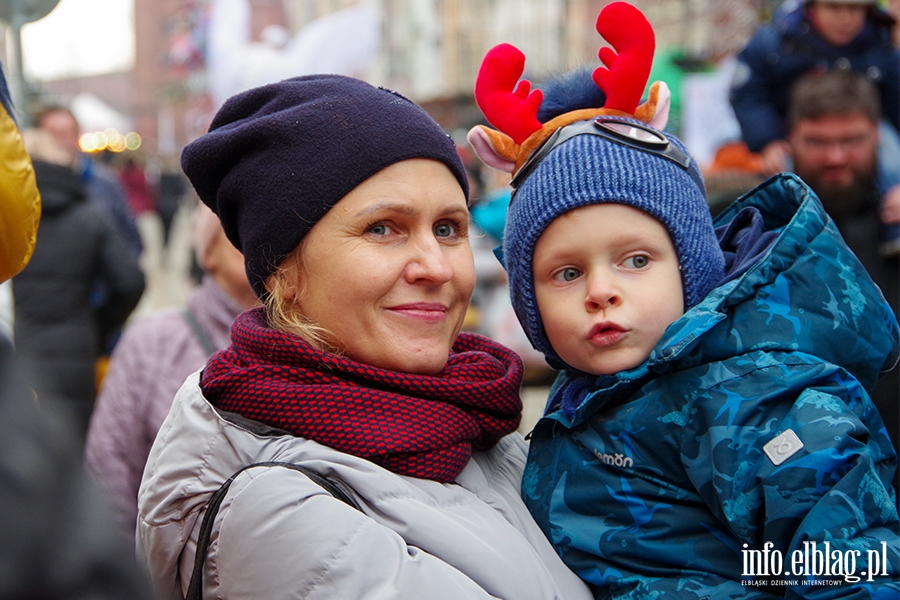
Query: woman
x,y
349,205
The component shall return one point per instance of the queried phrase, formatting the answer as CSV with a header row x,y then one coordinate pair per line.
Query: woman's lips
x,y
427,311
606,334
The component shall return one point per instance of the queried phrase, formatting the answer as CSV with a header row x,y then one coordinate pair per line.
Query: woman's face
x,y
388,271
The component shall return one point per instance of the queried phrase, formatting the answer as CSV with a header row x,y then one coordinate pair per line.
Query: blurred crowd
x,y
815,92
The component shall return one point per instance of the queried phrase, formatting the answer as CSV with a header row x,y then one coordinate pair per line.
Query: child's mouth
x,y
606,334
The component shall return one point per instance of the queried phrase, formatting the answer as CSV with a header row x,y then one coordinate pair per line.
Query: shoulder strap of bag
x,y
198,332
336,489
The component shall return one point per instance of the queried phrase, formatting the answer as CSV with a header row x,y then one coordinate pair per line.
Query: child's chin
x,y
609,367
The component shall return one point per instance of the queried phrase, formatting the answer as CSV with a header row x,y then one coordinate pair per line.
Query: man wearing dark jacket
x,y
805,37
834,142
58,330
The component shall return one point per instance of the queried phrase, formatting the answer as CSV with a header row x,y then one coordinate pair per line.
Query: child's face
x,y
608,284
838,23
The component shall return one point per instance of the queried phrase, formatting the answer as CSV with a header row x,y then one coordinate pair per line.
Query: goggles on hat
x,y
633,135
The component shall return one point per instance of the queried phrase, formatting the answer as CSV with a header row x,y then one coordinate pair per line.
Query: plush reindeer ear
x,y
493,148
655,111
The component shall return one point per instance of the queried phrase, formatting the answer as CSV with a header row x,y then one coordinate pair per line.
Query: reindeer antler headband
x,y
615,153
510,105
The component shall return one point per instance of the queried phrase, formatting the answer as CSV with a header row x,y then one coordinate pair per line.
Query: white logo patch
x,y
782,447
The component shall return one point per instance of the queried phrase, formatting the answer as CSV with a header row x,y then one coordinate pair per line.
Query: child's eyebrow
x,y
623,242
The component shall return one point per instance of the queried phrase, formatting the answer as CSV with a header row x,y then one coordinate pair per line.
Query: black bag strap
x,y
198,332
335,488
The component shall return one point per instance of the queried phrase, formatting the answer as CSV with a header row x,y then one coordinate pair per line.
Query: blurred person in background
x,y
106,193
804,37
103,187
58,538
154,356
138,190
497,319
58,328
171,188
834,145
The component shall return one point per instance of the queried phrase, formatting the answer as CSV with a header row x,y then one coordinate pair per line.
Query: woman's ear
x,y
286,279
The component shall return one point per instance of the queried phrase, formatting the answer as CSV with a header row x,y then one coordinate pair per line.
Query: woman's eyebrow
x,y
406,209
403,208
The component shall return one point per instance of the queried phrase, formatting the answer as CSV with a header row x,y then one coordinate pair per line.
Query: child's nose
x,y
601,293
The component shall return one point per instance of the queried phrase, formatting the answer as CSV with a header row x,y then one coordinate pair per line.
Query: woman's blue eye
x,y
568,274
444,230
637,262
379,229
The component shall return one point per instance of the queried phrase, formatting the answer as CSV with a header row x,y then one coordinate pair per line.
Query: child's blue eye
x,y
637,262
568,274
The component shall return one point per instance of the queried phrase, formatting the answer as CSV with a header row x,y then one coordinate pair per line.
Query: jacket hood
x,y
60,186
807,293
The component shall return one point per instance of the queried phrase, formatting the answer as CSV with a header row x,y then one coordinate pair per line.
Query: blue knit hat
x,y
278,157
594,169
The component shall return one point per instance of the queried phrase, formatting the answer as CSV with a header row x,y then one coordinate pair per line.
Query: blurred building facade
x,y
430,51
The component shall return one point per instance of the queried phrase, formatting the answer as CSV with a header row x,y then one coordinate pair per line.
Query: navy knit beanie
x,y
591,169
278,157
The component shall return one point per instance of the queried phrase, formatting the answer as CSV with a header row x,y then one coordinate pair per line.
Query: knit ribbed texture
x,y
423,426
589,169
278,157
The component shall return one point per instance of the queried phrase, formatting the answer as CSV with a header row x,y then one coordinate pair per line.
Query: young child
x,y
710,433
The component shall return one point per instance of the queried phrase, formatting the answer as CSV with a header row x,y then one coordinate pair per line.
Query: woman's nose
x,y
428,262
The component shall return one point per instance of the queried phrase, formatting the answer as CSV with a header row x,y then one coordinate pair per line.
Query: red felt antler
x,y
511,106
512,111
627,72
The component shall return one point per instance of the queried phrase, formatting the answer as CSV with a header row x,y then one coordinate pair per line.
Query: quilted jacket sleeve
x,y
19,198
143,376
752,92
891,97
317,547
123,279
116,446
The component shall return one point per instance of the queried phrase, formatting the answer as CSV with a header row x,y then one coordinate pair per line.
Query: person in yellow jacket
x,y
19,196
59,537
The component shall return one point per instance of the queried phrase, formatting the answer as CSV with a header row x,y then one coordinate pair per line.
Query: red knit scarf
x,y
424,426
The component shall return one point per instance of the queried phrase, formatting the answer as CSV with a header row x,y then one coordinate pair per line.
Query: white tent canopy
x,y
94,114
344,42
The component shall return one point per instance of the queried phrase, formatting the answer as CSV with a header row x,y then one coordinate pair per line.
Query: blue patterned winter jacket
x,y
748,430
